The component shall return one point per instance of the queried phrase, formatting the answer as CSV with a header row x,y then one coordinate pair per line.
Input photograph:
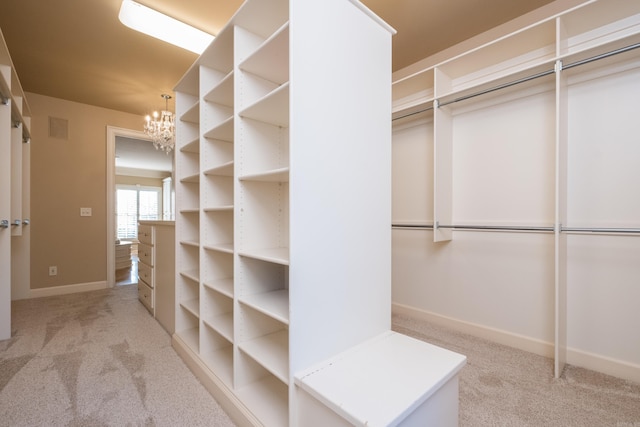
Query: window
x,y
134,203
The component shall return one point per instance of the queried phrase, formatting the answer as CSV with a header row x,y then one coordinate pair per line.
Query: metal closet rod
x,y
474,227
517,228
601,56
600,230
525,79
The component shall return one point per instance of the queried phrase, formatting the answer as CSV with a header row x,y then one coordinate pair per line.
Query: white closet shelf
x,y
272,352
193,306
190,337
192,115
222,131
274,304
190,211
271,60
226,208
222,324
191,178
220,247
221,360
274,255
273,108
222,93
275,175
193,275
267,399
193,243
225,169
223,286
191,146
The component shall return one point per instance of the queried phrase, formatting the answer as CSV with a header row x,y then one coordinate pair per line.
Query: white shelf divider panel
x,y
271,351
274,304
270,61
272,108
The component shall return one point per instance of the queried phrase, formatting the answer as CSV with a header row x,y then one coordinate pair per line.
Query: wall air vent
x,y
58,128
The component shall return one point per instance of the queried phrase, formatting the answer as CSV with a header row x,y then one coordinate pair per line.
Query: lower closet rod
x,y
600,230
496,227
474,227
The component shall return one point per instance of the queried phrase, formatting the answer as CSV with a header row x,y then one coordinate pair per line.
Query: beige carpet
x,y
96,359
99,359
502,386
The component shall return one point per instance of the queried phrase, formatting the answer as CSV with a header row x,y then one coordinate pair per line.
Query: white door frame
x,y
112,133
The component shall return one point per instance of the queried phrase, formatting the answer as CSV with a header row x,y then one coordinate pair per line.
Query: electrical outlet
x,y
53,270
85,211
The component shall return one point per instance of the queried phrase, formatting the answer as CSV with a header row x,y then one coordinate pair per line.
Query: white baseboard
x,y
603,364
229,402
66,289
510,339
575,357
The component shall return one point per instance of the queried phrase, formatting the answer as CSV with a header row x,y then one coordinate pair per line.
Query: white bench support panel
x,y
390,380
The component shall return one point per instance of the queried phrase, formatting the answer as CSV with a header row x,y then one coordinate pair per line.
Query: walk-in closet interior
x,y
516,213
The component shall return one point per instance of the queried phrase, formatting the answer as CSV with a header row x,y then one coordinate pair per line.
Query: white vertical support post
x,y
5,209
442,162
560,348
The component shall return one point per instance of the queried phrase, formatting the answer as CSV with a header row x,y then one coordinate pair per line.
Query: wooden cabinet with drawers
x,y
156,267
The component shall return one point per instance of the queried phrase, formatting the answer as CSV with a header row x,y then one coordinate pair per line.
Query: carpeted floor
x,y
99,359
96,359
505,387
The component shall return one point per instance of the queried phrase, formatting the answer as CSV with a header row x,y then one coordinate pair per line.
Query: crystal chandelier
x,y
161,127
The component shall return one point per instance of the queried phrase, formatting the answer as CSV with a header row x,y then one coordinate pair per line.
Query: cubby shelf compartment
x,y
225,169
274,255
217,353
223,131
274,304
217,312
192,115
223,286
191,338
276,175
271,60
222,93
273,108
268,399
191,146
193,306
270,351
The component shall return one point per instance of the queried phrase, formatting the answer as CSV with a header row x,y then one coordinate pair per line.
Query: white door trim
x,y
112,133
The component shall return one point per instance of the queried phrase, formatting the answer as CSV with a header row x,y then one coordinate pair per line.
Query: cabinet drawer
x,y
145,253
145,295
145,274
146,234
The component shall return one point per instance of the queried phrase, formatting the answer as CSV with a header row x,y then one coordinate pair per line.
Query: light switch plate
x,y
85,211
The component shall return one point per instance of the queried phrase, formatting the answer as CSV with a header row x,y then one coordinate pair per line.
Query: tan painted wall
x,y
65,176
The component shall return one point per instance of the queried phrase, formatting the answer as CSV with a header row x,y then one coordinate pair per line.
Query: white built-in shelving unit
x,y
15,133
282,198
540,63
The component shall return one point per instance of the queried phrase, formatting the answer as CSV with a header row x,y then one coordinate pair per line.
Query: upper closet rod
x,y
495,88
526,79
414,113
601,56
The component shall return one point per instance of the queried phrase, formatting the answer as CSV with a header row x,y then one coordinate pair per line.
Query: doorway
x,y
134,167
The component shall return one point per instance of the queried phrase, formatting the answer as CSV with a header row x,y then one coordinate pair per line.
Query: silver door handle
x,y
16,223
26,221
4,223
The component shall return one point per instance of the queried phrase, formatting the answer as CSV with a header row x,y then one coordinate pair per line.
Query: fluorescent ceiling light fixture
x,y
163,27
